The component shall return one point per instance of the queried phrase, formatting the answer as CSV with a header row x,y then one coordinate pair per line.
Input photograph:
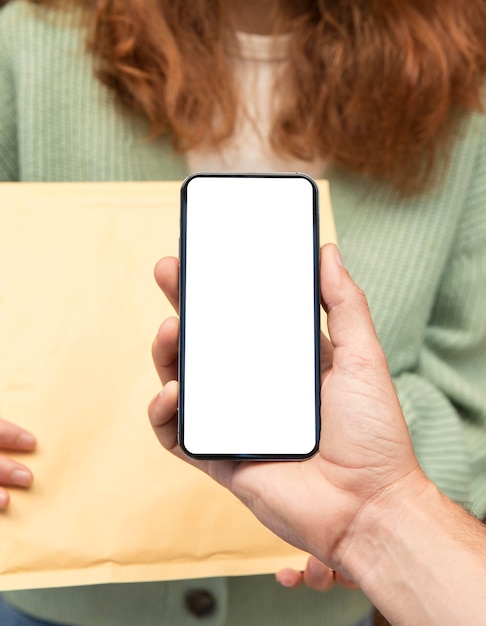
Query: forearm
x,y
416,557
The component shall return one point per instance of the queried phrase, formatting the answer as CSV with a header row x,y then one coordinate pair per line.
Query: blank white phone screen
x,y
248,311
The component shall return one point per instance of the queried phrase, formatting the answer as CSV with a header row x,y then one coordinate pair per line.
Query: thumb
x,y
349,320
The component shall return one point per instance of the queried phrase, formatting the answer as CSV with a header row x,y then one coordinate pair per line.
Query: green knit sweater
x,y
421,261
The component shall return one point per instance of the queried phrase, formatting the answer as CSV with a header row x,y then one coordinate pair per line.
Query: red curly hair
x,y
373,86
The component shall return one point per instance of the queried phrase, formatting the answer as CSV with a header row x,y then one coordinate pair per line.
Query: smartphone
x,y
249,377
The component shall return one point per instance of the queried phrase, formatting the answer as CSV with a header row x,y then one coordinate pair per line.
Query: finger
x,y
164,350
318,576
326,353
167,276
163,416
14,474
344,581
349,320
289,578
13,437
4,499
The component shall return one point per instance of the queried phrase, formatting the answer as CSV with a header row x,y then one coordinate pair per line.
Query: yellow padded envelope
x,y
78,311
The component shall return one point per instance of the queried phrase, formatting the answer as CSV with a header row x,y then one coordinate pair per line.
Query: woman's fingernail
x,y
288,577
21,477
26,441
317,568
284,580
3,500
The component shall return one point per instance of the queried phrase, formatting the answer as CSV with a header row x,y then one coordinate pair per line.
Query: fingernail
x,y
21,477
3,500
284,579
316,567
26,441
339,259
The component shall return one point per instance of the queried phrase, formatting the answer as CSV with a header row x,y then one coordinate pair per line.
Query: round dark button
x,y
200,602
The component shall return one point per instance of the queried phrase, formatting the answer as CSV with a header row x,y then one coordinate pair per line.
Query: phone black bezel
x,y
182,309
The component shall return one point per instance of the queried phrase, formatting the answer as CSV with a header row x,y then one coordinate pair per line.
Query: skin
x,y
254,16
12,473
263,17
333,463
362,505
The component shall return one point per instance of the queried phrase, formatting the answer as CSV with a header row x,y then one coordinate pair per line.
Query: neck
x,y
255,16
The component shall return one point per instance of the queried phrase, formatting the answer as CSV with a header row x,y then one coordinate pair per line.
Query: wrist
x,y
416,554
379,518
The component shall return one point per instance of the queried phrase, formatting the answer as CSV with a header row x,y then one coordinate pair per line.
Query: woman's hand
x,y
365,449
317,576
13,473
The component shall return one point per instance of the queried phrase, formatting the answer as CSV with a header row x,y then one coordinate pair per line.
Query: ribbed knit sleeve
x,y
445,398
421,260
8,125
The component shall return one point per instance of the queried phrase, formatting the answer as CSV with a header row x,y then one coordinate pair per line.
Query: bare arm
x,y
421,559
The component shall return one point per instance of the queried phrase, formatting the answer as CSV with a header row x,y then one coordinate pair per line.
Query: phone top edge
x,y
203,174
194,175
